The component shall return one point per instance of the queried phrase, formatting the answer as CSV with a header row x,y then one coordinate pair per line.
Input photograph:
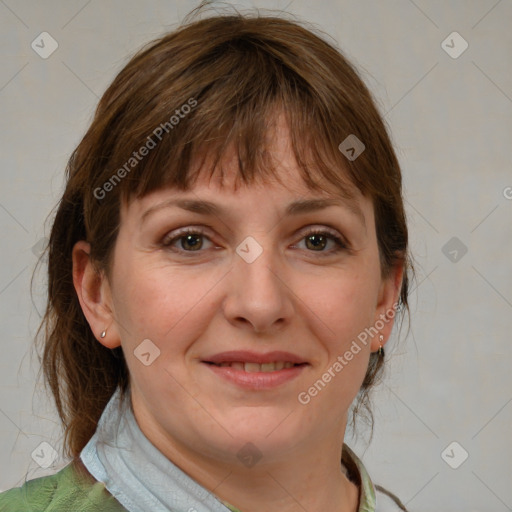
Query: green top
x,y
73,489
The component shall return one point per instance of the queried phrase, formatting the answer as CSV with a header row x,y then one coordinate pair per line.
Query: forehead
x,y
279,181
263,200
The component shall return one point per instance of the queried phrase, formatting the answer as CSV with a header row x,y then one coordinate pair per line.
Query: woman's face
x,y
227,330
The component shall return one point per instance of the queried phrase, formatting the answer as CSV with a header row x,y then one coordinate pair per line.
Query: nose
x,y
259,298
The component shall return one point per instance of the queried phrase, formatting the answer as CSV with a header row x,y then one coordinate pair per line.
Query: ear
x,y
94,294
389,294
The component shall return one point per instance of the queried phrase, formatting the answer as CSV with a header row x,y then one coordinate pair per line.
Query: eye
x,y
316,240
190,240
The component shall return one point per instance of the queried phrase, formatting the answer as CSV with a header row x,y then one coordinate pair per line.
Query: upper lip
x,y
246,356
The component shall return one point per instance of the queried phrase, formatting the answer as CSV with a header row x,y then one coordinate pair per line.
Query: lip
x,y
247,356
255,380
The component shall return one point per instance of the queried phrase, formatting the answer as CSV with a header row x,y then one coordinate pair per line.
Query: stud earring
x,y
381,349
103,334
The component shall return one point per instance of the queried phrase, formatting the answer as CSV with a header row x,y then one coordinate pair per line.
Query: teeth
x,y
252,367
256,367
268,367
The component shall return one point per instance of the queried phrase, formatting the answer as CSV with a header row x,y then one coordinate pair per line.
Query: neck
x,y
305,483
311,480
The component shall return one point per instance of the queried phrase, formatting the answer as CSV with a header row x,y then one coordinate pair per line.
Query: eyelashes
x,y
316,240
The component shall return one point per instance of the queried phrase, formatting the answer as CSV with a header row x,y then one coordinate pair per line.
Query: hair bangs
x,y
239,128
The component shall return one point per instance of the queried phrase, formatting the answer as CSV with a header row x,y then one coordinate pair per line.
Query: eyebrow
x,y
298,207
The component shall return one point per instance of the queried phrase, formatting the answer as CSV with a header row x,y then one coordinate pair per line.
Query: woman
x,y
225,267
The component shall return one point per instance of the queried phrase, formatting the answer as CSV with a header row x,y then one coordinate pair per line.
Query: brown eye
x,y
191,242
186,240
316,241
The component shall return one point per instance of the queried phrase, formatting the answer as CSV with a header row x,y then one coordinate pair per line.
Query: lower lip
x,y
257,380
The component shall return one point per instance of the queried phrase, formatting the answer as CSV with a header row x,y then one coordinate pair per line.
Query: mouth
x,y
254,371
257,367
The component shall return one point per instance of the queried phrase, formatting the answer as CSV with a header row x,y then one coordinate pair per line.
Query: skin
x,y
193,304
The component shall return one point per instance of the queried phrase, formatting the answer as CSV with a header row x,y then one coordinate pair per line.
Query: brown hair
x,y
234,72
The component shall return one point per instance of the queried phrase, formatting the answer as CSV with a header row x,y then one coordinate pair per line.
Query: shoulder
x,y
71,489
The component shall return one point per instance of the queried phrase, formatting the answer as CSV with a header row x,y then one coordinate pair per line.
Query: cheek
x,y
163,306
347,303
162,303
346,311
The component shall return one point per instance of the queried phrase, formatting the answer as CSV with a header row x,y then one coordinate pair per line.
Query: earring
x,y
381,349
103,334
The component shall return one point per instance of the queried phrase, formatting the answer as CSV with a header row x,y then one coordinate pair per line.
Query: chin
x,y
268,429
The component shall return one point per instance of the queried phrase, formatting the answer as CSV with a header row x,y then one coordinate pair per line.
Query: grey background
x,y
451,121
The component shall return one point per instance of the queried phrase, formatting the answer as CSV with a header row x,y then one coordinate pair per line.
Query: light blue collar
x,y
135,472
